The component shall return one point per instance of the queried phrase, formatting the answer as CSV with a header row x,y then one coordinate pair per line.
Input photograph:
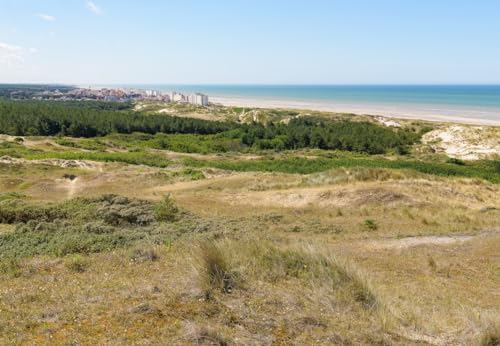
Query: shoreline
x,y
394,112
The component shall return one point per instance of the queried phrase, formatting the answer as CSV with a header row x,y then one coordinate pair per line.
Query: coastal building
x,y
177,97
199,99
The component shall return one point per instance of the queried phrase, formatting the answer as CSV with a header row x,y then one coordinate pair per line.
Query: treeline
x,y
27,91
93,119
97,119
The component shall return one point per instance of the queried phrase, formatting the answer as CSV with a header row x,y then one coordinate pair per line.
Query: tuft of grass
x,y
271,263
215,272
491,336
141,254
77,264
370,225
432,263
208,336
10,267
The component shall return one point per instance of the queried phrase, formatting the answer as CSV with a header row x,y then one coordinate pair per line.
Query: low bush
x,y
10,267
166,210
142,254
370,225
15,211
118,210
81,226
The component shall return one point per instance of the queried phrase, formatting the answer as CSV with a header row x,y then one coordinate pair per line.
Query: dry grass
x,y
290,262
214,270
491,336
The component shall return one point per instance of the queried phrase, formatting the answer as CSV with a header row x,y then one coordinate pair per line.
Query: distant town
x,y
104,94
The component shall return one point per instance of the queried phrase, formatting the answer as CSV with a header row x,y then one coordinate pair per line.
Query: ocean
x,y
468,103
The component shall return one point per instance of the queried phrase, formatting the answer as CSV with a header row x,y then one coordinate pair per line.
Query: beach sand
x,y
472,116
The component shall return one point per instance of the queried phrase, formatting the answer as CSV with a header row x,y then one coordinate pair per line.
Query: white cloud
x,y
94,8
10,54
46,17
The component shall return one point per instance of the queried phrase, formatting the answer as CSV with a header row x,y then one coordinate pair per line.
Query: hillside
x,y
224,226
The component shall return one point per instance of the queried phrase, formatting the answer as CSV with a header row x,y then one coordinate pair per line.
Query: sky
x,y
250,42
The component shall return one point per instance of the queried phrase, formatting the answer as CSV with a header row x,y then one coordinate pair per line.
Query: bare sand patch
x,y
409,242
322,197
465,142
54,162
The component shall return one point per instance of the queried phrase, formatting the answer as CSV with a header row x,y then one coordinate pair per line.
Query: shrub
x,y
370,225
166,210
140,255
193,174
16,211
118,210
82,226
455,161
10,267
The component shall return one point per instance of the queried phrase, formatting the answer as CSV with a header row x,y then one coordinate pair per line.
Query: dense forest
x,y
96,119
93,119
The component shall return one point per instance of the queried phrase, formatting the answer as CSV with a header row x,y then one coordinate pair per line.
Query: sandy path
x,y
408,242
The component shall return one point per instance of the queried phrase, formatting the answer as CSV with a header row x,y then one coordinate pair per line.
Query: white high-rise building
x,y
199,99
177,97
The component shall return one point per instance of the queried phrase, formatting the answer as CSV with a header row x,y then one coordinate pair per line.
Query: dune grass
x,y
487,170
133,158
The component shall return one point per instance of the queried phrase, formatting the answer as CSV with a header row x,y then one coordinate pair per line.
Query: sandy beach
x,y
472,116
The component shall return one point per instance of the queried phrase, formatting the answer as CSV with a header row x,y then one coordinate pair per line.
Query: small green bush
x,y
166,210
10,267
370,225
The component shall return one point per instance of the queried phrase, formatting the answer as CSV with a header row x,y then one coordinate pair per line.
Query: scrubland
x,y
115,239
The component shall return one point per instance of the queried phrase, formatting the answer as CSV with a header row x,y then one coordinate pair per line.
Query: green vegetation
x,y
370,225
82,119
352,249
485,169
82,225
166,210
92,120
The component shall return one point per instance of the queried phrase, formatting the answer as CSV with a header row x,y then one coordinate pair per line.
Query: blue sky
x,y
257,41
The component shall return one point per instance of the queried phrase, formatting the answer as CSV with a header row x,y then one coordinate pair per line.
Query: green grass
x,y
487,170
